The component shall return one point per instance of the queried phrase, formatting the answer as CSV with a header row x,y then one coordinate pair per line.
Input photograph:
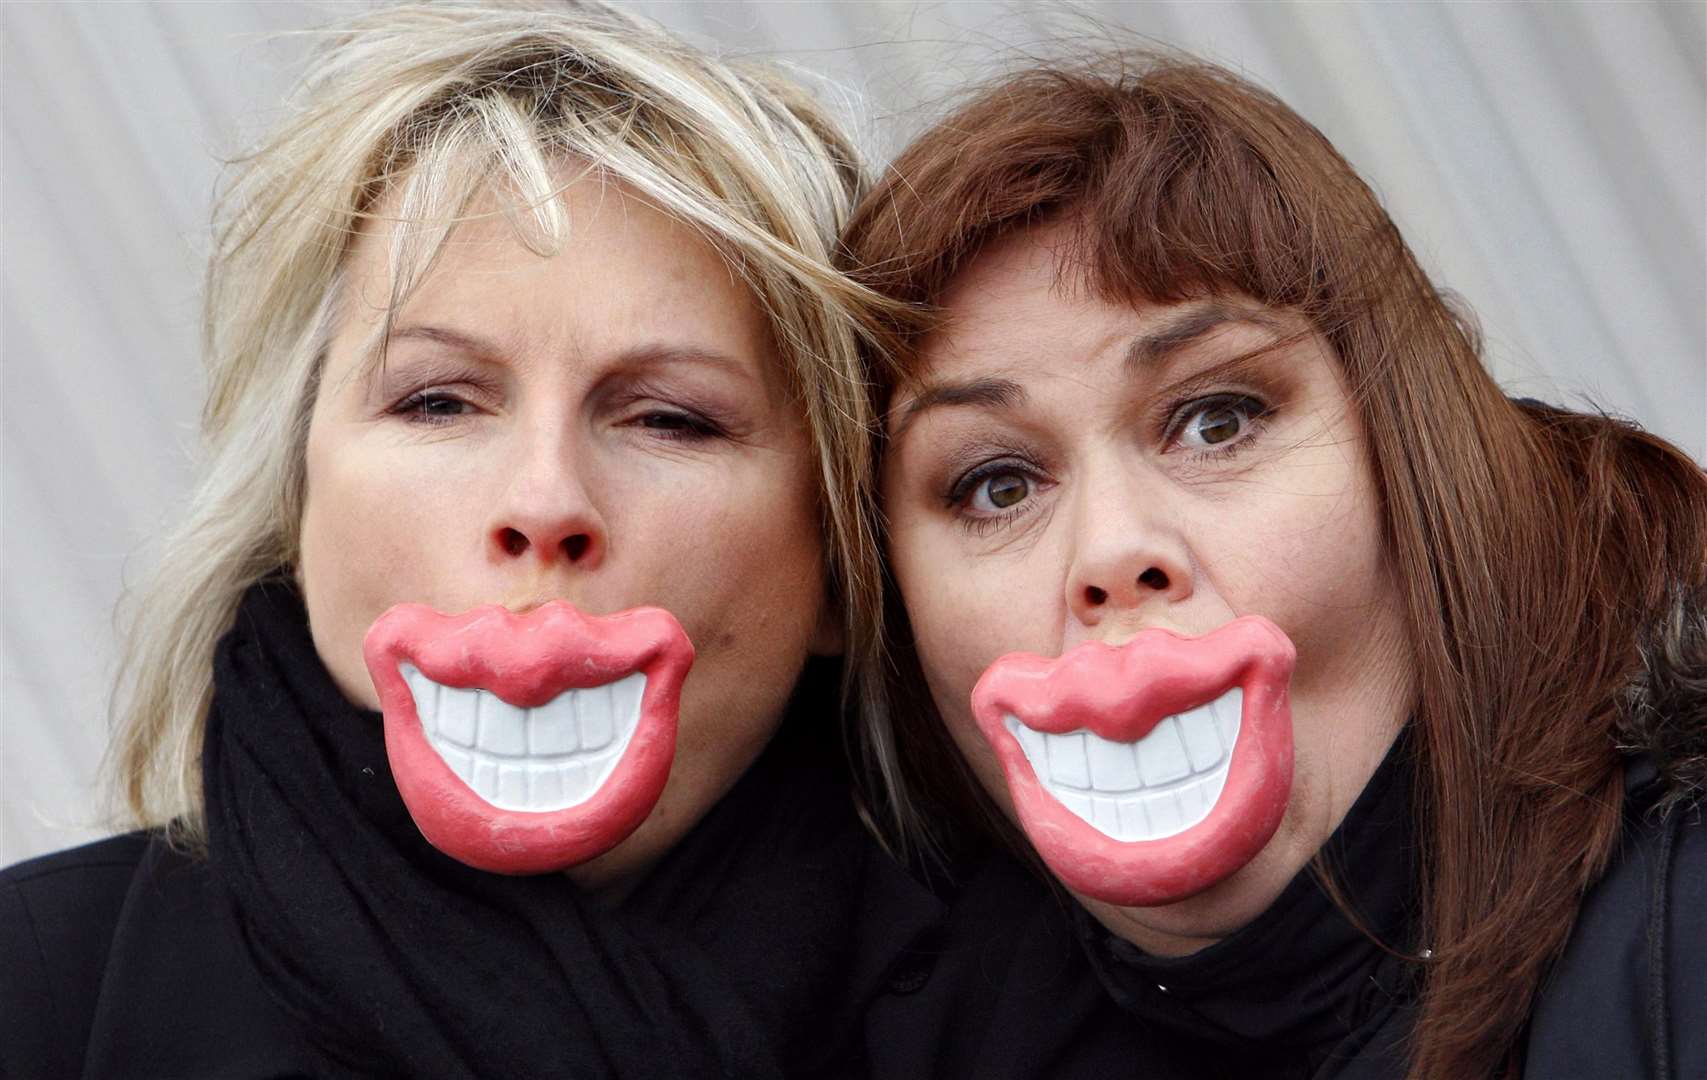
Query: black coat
x,y
775,937
120,958
1628,998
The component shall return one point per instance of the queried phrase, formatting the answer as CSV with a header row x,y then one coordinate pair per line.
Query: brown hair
x,y
1532,545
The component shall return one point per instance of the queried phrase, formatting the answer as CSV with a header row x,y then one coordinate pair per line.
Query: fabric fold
x,y
401,960
1302,985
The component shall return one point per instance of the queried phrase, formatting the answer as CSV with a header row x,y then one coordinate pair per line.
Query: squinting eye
x,y
1216,422
439,405
431,407
1001,491
678,425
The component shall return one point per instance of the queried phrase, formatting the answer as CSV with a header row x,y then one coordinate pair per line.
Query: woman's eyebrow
x,y
985,393
657,354
455,339
1192,325
648,354
1148,349
373,364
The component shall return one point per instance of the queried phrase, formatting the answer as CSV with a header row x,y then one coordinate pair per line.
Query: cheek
x,y
382,525
738,560
1313,561
962,617
374,525
957,636
1307,554
1352,588
735,554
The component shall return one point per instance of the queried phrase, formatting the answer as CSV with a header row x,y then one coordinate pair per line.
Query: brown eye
x,y
1218,421
1001,491
1218,425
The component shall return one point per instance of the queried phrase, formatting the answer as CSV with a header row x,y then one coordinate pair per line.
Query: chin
x,y
1217,912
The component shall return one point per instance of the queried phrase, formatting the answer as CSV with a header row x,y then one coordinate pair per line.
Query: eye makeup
x,y
678,407
425,394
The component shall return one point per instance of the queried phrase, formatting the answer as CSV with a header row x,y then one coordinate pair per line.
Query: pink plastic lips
x,y
523,744
1146,773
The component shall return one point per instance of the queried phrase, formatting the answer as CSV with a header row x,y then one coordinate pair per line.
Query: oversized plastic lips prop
x,y
528,743
1146,773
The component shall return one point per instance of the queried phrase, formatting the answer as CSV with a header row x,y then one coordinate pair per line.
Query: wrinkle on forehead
x,y
396,259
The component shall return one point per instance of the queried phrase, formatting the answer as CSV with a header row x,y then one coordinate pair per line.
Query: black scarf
x,y
1301,992
740,954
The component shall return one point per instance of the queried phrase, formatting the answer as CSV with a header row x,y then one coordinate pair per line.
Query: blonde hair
x,y
434,104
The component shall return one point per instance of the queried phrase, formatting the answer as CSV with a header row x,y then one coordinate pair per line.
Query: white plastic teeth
x,y
542,759
1158,786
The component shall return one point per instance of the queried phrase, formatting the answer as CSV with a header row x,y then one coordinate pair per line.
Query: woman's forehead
x,y
622,269
1018,309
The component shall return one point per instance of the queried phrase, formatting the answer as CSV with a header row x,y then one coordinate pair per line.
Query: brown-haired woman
x,y
1418,804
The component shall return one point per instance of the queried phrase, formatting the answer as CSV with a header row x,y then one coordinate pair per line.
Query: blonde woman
x,y
523,318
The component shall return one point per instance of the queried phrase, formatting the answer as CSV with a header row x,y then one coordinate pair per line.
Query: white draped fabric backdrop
x,y
1547,161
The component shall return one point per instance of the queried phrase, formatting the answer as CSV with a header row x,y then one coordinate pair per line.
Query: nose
x,y
545,514
1130,554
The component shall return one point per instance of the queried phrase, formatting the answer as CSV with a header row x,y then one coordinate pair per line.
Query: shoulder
x,y
57,918
80,883
1629,994
124,952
